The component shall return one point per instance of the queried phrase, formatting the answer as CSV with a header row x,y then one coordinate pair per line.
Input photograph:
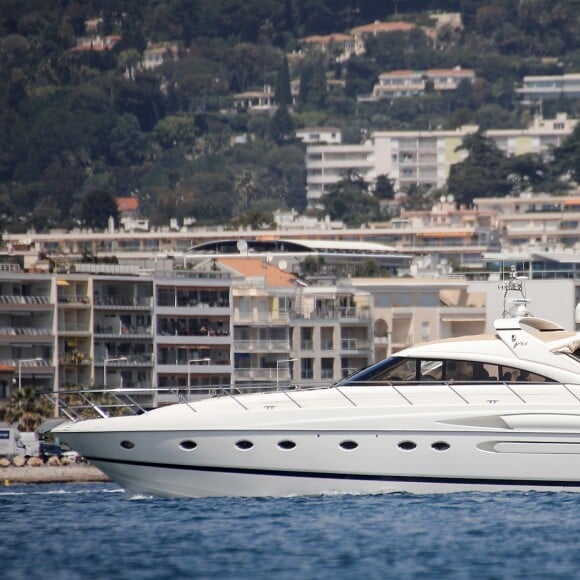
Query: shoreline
x,y
28,474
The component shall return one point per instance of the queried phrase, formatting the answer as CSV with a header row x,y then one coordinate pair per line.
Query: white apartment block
x,y
421,157
327,164
537,88
408,311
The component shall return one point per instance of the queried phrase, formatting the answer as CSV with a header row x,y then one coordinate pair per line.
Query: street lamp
x,y
109,360
288,360
20,362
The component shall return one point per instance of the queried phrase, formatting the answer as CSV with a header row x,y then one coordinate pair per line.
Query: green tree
x,y
384,187
96,209
281,128
256,219
175,130
527,171
283,92
313,89
483,173
567,155
27,408
350,201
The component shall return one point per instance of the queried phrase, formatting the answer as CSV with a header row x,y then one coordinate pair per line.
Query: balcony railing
x,y
73,299
124,301
74,327
125,331
28,300
261,345
25,331
354,344
26,364
333,313
265,374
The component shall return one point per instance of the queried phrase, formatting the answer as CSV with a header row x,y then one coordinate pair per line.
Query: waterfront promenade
x,y
77,473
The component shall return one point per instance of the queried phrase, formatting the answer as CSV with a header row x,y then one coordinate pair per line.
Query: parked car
x,y
46,450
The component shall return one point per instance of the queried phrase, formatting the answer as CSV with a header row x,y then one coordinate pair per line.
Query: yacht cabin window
x,y
396,369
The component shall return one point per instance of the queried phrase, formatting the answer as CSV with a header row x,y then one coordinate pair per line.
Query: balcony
x,y
354,344
123,303
351,312
74,327
263,374
262,318
8,300
11,331
123,331
262,345
73,299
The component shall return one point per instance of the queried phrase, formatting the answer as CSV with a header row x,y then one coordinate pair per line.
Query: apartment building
x,y
262,300
407,83
407,311
327,165
28,330
332,332
421,157
131,329
538,87
284,331
535,221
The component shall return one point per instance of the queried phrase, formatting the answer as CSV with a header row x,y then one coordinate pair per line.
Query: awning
x,y
62,283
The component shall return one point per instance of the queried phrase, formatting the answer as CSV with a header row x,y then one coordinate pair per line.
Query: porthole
x,y
127,444
348,445
244,444
188,445
286,444
440,446
407,445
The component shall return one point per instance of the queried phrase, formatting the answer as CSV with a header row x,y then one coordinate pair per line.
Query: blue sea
x,y
83,531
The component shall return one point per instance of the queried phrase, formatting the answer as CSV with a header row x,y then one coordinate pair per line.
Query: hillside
x,y
85,117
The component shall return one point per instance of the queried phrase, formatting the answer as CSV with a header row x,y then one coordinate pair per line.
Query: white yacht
x,y
488,412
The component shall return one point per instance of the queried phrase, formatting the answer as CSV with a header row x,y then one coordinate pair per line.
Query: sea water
x,y
74,531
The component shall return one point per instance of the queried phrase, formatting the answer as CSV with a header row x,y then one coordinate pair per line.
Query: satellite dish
x,y
442,199
282,264
242,246
450,198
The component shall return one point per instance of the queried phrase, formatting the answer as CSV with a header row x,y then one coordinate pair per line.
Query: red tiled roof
x,y
255,267
127,203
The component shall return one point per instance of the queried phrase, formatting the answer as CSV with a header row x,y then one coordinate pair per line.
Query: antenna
x,y
514,307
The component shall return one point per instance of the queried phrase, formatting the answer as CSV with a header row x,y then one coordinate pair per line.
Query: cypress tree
x,y
283,91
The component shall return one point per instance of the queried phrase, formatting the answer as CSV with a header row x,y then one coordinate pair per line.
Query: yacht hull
x,y
381,462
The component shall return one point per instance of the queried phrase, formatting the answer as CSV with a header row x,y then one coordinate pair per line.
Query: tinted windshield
x,y
398,369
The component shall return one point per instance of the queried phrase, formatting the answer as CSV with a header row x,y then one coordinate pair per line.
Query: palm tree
x,y
27,408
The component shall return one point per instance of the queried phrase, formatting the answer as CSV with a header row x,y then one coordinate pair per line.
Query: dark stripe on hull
x,y
347,476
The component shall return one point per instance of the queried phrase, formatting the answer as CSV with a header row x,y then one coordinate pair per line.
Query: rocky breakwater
x,y
33,470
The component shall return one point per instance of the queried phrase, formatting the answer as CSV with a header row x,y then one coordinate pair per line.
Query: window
x,y
425,330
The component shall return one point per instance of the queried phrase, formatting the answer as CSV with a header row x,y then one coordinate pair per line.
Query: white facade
x,y
328,135
536,88
422,157
327,164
